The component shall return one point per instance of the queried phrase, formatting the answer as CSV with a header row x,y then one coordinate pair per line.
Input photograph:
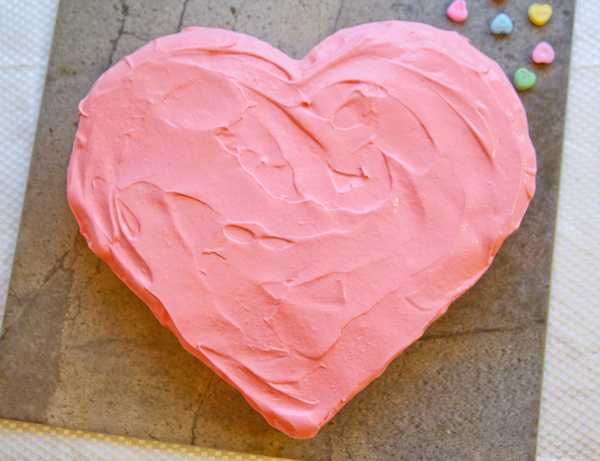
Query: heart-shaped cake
x,y
299,223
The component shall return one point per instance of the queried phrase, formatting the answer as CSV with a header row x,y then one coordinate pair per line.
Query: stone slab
x,y
79,350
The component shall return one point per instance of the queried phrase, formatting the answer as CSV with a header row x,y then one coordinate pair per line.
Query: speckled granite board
x,y
79,350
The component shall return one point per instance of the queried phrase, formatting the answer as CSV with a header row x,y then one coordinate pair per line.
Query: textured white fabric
x,y
570,412
25,37
25,441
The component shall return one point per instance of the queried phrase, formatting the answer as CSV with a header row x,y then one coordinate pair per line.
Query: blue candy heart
x,y
501,25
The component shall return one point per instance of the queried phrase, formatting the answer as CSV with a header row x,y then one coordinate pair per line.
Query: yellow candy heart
x,y
540,14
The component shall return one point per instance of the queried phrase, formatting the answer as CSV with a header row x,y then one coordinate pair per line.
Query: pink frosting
x,y
298,223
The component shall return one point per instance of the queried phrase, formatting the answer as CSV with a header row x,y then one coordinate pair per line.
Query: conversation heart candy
x,y
543,53
539,14
524,79
501,25
297,224
457,11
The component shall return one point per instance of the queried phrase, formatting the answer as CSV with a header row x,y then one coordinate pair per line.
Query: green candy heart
x,y
524,79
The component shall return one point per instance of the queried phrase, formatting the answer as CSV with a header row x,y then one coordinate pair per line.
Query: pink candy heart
x,y
457,11
543,53
298,224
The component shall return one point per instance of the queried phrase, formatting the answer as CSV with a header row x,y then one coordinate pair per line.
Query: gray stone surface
x,y
79,350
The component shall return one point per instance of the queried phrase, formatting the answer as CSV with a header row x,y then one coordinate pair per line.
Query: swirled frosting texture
x,y
298,224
